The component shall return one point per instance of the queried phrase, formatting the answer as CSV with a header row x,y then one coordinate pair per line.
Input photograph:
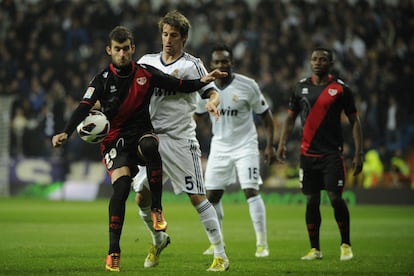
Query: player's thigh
x,y
220,171
182,164
334,172
248,171
311,175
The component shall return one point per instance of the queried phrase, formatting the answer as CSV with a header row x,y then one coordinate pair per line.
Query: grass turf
x,y
41,237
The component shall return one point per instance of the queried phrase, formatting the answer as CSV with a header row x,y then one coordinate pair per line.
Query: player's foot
x,y
112,262
158,221
346,252
262,251
219,265
313,254
153,257
209,250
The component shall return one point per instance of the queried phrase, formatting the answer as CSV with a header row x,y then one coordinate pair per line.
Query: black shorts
x,y
123,152
322,173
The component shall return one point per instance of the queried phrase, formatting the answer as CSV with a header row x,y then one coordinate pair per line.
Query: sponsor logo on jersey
x,y
332,91
340,183
112,89
305,90
89,92
141,80
228,112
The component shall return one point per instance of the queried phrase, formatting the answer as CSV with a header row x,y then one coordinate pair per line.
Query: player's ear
x,y
108,50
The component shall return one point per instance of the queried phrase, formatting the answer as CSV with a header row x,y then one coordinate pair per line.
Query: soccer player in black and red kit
x,y
123,91
319,101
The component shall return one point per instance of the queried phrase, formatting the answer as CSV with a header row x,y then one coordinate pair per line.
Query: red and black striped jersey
x,y
320,108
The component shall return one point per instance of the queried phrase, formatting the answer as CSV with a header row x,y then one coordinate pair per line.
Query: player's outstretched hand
x,y
58,139
213,75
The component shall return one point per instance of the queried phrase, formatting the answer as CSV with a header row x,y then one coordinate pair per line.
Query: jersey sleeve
x,y
200,105
293,104
349,102
166,81
259,103
89,98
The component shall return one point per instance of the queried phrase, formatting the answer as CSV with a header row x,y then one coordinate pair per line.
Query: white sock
x,y
145,214
257,211
208,218
220,215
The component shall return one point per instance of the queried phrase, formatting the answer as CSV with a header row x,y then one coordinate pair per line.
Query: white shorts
x,y
223,168
181,163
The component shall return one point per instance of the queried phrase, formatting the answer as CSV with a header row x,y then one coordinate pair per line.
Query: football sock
x,y
154,174
148,146
208,218
121,188
341,213
313,222
145,214
220,213
257,211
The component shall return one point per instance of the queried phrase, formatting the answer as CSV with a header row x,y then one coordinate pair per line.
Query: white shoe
x,y
346,252
219,265
209,250
313,254
262,251
153,257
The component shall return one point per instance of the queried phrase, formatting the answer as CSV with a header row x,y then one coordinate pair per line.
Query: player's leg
x,y
148,151
311,181
249,177
214,196
121,184
335,179
182,163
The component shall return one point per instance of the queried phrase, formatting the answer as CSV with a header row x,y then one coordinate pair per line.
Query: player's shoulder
x,y
304,80
243,79
191,61
149,57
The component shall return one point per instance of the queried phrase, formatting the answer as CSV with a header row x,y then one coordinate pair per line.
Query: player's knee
x,y
248,193
148,148
214,196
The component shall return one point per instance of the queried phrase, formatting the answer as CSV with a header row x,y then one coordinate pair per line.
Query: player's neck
x,y
320,80
168,58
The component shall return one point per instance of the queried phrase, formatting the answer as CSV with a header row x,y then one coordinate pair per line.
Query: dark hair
x,y
329,51
120,34
222,47
177,20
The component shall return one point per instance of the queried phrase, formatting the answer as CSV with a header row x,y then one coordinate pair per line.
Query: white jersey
x,y
172,111
172,117
235,129
234,147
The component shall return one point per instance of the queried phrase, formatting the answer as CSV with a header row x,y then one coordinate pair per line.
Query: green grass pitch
x,y
41,237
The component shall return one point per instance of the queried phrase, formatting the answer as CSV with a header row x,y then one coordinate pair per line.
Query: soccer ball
x,y
94,128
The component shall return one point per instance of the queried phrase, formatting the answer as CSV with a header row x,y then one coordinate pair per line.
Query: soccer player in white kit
x,y
172,118
234,149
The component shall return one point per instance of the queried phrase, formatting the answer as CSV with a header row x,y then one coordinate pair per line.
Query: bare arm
x,y
213,102
287,128
269,152
357,161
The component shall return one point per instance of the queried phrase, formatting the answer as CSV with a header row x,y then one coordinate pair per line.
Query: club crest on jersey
x,y
234,98
332,92
175,73
305,90
141,80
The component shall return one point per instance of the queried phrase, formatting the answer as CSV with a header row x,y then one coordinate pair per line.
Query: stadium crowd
x,y
49,50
